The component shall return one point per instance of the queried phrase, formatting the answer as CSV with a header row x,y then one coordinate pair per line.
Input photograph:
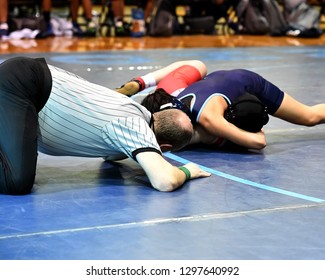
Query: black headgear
x,y
248,113
175,104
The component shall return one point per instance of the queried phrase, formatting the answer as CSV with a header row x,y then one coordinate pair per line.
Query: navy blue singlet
x,y
230,84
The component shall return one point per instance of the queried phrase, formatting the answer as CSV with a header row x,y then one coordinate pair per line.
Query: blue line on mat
x,y
244,181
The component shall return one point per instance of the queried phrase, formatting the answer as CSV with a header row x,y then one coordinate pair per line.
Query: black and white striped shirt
x,y
84,119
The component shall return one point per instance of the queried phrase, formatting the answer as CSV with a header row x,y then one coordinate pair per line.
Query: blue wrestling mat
x,y
267,206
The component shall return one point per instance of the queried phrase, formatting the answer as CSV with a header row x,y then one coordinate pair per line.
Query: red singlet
x,y
179,79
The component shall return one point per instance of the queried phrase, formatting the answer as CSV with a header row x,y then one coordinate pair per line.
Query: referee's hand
x,y
196,172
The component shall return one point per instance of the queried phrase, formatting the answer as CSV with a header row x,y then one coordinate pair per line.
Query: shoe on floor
x,y
3,30
47,33
77,31
91,29
122,29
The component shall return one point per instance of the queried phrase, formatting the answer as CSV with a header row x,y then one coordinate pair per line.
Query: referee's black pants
x,y
25,85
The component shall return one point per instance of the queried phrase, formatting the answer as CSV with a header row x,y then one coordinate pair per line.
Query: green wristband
x,y
186,171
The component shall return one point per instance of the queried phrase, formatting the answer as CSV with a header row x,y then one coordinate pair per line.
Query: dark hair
x,y
155,102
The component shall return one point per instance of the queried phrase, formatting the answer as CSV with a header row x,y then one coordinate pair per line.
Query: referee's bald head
x,y
172,127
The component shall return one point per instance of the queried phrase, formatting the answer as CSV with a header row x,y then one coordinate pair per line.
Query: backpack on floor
x,y
162,22
199,25
30,22
260,17
304,21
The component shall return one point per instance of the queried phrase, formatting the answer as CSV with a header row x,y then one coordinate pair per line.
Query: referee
x,y
59,113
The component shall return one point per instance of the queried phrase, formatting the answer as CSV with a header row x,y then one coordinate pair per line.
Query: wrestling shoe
x,y
130,88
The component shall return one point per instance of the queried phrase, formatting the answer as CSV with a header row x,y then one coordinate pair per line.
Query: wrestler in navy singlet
x,y
231,84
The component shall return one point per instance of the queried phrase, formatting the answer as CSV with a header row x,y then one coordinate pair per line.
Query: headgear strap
x,y
175,104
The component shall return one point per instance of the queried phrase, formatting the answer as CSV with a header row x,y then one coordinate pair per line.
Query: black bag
x,y
163,20
260,17
162,24
199,25
304,21
31,22
248,113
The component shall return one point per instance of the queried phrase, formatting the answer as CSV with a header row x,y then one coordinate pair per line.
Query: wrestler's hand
x,y
130,88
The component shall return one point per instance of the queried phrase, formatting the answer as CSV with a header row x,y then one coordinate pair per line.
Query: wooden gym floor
x,y
64,44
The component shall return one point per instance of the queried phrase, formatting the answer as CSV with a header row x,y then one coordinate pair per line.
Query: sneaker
x,y
47,33
3,33
122,29
3,30
91,29
76,30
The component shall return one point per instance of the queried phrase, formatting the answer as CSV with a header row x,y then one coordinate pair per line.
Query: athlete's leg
x,y
163,72
179,79
25,85
196,66
295,112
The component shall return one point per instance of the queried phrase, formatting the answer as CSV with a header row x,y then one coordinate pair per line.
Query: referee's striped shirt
x,y
84,119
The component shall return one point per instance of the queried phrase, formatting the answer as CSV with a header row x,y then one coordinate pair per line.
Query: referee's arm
x,y
162,175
